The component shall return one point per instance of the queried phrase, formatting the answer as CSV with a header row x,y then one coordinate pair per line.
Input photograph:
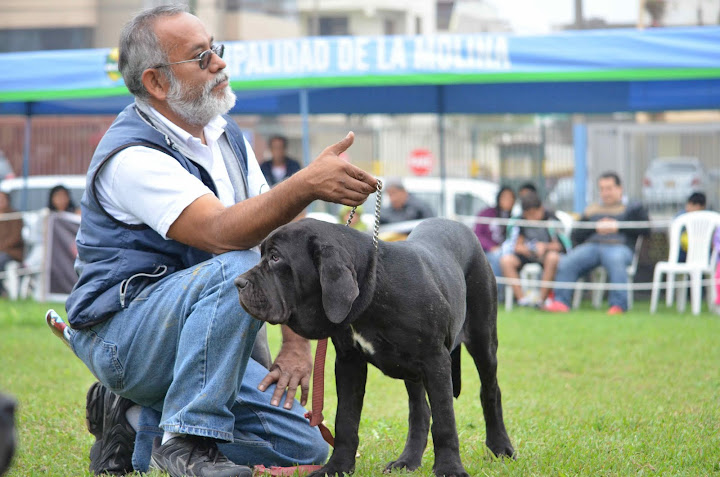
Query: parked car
x,y
38,190
463,197
669,181
562,196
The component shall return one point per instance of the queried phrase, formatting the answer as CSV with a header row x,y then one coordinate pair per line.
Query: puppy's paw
x,y
502,448
449,468
402,463
451,472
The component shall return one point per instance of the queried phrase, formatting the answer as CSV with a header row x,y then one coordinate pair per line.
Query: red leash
x,y
316,415
318,395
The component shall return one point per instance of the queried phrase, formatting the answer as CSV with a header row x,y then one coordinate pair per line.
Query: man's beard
x,y
198,106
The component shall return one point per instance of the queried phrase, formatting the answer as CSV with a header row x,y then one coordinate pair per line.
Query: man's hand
x,y
291,368
606,226
332,179
541,248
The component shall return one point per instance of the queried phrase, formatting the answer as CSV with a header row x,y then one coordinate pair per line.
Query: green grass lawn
x,y
583,394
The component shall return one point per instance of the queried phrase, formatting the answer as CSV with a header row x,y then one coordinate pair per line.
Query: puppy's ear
x,y
338,282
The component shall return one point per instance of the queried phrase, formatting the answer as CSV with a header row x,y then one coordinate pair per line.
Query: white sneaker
x,y
528,300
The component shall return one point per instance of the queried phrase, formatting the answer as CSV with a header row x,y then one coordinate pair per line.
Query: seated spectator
x,y
512,232
696,202
59,200
526,188
11,241
356,223
607,245
280,166
403,205
492,235
517,208
541,245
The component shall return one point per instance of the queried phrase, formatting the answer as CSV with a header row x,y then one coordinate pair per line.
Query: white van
x,y
464,198
38,190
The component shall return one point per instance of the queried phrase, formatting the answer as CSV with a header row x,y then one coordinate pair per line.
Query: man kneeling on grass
x,y
541,245
175,206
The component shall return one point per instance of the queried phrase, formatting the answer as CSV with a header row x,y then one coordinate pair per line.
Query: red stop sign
x,y
420,162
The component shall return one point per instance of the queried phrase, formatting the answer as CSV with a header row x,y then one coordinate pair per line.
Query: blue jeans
x,y
494,260
181,348
264,434
615,258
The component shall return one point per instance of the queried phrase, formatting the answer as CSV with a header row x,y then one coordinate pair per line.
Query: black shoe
x,y
194,456
114,436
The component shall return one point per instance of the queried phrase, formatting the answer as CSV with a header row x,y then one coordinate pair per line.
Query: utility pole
x,y
315,19
579,19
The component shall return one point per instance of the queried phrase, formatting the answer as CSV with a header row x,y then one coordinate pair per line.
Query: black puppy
x,y
7,432
405,308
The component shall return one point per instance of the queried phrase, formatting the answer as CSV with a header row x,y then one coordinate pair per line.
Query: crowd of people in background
x,y
610,244
563,258
12,243
507,245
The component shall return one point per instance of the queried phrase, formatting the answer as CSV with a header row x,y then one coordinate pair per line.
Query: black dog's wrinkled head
x,y
305,272
7,432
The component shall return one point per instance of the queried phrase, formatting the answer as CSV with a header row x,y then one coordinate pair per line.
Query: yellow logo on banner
x,y
111,64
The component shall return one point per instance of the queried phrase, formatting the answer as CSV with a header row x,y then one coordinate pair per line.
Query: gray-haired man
x,y
174,204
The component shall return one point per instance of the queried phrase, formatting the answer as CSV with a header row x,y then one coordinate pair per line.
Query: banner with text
x,y
593,55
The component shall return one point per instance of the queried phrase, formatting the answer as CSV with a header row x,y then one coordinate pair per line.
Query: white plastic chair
x,y
699,261
567,221
531,271
599,275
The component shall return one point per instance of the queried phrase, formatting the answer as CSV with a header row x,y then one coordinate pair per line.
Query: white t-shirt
x,y
141,185
279,172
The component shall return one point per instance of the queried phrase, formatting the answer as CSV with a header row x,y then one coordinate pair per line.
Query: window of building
x,y
333,26
388,27
283,8
32,39
418,26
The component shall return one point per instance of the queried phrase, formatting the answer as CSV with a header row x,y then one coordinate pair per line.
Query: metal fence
x,y
58,145
508,150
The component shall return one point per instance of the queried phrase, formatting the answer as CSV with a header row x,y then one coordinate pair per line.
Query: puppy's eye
x,y
274,257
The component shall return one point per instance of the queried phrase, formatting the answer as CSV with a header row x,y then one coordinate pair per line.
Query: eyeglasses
x,y
203,58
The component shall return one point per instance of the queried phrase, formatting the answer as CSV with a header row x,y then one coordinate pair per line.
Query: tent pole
x,y
580,173
26,156
305,113
441,146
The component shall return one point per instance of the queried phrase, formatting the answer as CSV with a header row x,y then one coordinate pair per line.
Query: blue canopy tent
x,y
595,71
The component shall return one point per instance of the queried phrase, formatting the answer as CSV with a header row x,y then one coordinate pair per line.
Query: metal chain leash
x,y
378,201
